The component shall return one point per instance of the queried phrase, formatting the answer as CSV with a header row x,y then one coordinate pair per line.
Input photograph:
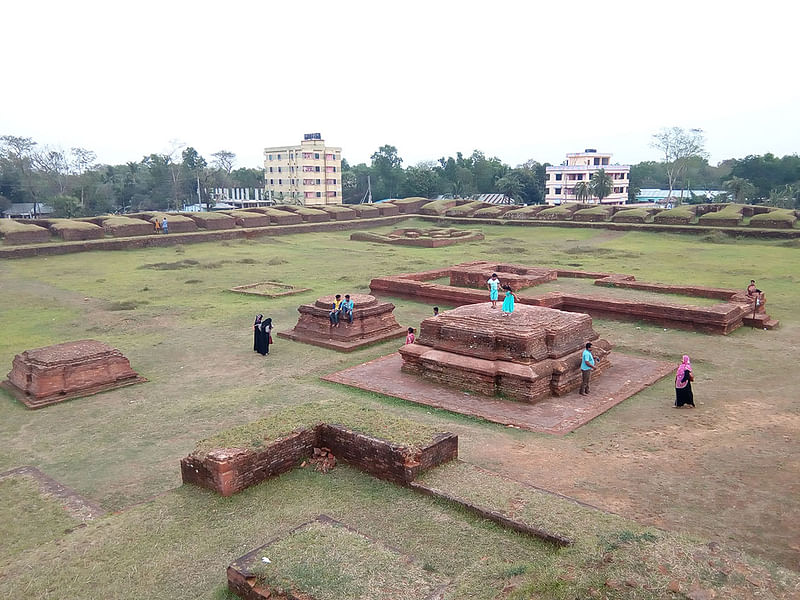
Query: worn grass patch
x,y
28,517
253,436
331,562
186,263
126,304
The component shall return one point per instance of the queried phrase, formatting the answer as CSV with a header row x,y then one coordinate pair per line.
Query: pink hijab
x,y
684,366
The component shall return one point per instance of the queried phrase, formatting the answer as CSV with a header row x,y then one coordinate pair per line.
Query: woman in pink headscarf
x,y
683,384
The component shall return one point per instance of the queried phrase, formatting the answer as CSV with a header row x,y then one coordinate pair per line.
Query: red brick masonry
x,y
373,322
734,310
56,373
231,470
526,356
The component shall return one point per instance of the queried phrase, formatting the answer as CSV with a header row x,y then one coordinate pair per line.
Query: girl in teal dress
x,y
508,301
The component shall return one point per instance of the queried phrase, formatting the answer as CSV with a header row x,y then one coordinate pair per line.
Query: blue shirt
x,y
347,305
586,360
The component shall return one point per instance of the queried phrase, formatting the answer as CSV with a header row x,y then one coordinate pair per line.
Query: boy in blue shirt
x,y
587,366
347,308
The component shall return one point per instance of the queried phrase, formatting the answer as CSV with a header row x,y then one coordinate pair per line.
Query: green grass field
x,y
724,474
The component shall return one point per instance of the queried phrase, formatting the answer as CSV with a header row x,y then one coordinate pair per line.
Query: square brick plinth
x,y
70,370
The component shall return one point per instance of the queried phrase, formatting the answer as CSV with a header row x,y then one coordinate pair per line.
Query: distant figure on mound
x,y
346,308
683,384
751,289
256,328
508,301
587,366
410,337
264,337
435,311
336,312
492,285
165,225
157,226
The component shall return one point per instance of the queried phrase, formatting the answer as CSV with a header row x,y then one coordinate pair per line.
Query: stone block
x,y
70,370
373,321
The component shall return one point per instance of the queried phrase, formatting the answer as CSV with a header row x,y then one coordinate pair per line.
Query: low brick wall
x,y
216,222
318,216
717,222
251,220
31,235
340,214
228,471
388,210
366,211
774,224
129,229
69,234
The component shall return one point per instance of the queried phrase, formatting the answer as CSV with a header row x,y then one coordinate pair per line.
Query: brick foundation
x,y
231,470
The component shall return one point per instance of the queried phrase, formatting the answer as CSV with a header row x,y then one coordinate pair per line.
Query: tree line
x,y
74,184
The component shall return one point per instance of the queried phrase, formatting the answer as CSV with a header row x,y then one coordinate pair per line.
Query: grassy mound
x,y
438,207
775,219
70,230
730,215
556,213
257,434
633,215
526,212
680,215
493,211
465,210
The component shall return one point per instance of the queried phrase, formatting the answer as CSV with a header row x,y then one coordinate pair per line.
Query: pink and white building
x,y
560,181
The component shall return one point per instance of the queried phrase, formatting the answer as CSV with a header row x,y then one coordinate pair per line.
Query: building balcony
x,y
558,168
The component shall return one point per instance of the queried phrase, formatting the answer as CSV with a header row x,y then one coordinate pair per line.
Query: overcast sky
x,y
515,80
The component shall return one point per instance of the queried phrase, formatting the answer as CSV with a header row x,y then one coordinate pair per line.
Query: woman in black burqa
x,y
256,331
264,338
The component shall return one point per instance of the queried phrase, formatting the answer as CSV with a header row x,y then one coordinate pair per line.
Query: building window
x,y
580,176
308,169
547,177
330,157
291,155
279,156
318,181
279,169
597,161
271,181
307,155
270,169
558,176
270,156
330,181
316,169
308,182
280,181
547,191
319,194
605,161
316,155
558,191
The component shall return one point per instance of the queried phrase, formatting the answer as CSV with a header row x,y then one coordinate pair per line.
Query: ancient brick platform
x,y
245,574
231,470
53,374
526,356
733,311
423,238
373,321
554,415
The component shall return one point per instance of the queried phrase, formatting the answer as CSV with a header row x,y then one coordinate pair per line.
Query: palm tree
x,y
511,186
601,185
741,189
582,192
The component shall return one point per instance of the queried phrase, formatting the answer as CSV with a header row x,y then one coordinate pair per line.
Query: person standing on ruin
x,y
265,338
165,225
587,366
493,285
157,225
508,301
410,337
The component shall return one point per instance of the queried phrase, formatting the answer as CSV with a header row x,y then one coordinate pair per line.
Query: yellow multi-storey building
x,y
310,173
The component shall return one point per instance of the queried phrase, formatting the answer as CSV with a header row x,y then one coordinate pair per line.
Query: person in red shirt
x,y
410,337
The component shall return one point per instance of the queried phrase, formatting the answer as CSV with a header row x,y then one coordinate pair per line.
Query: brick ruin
x,y
268,289
526,356
734,310
373,321
61,372
424,238
231,470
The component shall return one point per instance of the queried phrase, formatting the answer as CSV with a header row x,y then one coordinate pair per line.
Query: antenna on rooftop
x,y
368,194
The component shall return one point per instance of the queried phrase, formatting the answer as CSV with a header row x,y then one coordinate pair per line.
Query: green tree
x,y
511,186
386,166
66,206
601,185
741,189
785,196
582,191
678,146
